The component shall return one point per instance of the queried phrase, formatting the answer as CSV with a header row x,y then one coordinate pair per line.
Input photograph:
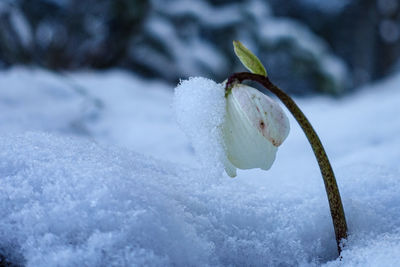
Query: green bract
x,y
248,59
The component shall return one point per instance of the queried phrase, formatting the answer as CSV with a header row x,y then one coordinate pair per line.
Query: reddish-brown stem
x,y
332,190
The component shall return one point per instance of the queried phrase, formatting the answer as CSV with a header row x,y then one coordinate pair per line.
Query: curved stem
x,y
332,190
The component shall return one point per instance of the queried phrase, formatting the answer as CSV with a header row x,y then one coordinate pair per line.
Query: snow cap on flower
x,y
199,105
255,125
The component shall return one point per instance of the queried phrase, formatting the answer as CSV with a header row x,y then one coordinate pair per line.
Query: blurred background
x,y
104,71
307,46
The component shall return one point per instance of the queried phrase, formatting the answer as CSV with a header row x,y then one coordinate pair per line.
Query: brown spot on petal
x,y
262,125
275,143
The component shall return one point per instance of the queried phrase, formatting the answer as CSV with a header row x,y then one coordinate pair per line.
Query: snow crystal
x,y
200,111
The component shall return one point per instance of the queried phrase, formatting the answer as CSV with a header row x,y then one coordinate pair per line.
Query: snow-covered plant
x,y
247,126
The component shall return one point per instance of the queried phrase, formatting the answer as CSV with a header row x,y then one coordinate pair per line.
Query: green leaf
x,y
248,59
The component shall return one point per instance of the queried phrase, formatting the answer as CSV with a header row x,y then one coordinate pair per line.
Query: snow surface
x,y
94,171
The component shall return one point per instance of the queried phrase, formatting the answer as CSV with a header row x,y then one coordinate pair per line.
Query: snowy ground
x,y
95,172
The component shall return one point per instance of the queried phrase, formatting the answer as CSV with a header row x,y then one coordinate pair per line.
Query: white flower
x,y
254,127
241,130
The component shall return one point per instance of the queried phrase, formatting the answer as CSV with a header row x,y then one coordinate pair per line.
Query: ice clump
x,y
200,108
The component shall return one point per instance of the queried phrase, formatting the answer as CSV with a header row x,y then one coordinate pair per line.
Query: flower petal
x,y
230,169
263,112
245,146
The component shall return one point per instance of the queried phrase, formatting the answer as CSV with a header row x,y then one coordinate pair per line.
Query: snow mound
x,y
200,108
66,202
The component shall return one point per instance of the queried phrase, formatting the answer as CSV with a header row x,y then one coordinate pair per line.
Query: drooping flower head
x,y
239,130
255,125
